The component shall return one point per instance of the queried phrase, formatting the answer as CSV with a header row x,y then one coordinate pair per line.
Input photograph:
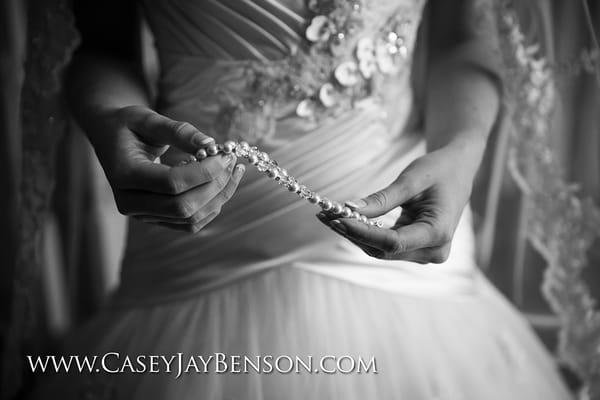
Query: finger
x,y
403,189
189,228
407,238
158,178
159,130
433,255
371,251
182,206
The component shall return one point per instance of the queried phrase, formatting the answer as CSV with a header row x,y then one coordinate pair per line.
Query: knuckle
x,y
174,183
181,127
381,199
442,235
438,256
149,119
183,208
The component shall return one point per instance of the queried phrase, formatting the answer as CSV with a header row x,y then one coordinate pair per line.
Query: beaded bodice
x,y
266,61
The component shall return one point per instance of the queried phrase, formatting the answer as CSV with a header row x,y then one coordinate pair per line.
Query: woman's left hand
x,y
432,191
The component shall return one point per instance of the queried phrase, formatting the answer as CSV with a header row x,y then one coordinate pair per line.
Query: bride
x,y
223,268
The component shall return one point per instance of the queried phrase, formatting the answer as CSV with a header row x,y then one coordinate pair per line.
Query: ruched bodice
x,y
229,29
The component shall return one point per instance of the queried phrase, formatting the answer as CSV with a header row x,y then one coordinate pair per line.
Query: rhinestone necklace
x,y
263,163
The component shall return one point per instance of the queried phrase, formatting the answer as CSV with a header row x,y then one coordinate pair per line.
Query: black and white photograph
x,y
300,199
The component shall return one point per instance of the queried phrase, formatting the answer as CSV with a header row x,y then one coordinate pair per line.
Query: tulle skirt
x,y
461,346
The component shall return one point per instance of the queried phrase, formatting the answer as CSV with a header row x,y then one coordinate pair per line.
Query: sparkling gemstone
x,y
305,192
244,146
293,187
262,166
253,159
274,173
392,36
263,156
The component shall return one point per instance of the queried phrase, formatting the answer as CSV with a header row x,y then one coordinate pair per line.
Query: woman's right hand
x,y
185,197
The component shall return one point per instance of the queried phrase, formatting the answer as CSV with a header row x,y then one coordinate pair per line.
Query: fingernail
x,y
356,204
201,140
239,170
338,227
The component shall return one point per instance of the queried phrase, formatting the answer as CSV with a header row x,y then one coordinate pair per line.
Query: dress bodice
x,y
260,69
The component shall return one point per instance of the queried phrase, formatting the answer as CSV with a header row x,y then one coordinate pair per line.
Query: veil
x,y
561,225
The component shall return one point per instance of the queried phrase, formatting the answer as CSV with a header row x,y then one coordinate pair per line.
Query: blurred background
x,y
81,237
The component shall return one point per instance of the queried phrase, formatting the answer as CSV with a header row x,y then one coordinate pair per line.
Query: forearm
x,y
98,84
462,105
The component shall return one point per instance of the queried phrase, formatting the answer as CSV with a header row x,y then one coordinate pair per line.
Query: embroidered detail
x,y
342,62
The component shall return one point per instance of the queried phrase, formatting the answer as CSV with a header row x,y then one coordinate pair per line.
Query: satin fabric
x,y
265,277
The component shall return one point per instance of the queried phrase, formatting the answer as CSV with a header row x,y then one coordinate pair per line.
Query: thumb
x,y
383,201
158,130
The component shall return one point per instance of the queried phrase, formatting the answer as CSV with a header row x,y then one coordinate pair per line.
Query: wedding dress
x,y
334,105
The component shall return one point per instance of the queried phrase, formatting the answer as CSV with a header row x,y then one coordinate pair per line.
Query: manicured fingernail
x,y
239,170
322,218
356,204
338,227
201,140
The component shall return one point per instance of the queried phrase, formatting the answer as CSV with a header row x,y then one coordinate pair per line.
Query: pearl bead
x,y
228,146
263,156
212,150
356,215
364,219
273,173
244,145
201,154
346,212
315,199
337,208
326,204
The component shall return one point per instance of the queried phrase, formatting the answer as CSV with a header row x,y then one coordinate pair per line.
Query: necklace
x,y
263,163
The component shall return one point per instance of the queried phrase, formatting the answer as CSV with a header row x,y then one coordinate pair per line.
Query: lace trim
x,y
51,40
562,226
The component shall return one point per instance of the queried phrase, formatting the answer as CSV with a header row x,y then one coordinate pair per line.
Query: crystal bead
x,y
252,159
262,166
293,187
305,193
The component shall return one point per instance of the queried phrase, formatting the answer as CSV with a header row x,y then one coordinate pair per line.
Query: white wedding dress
x,y
265,277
